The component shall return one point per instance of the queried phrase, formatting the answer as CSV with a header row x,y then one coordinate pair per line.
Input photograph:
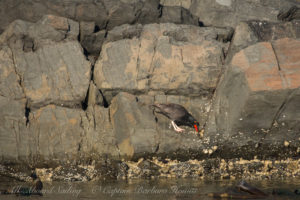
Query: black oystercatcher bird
x,y
178,116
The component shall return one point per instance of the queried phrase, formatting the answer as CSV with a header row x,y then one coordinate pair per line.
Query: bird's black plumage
x,y
177,114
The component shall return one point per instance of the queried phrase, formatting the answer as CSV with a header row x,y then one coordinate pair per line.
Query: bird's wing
x,y
173,111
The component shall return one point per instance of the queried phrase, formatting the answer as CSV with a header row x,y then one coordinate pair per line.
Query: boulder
x,y
10,86
142,133
251,32
91,38
92,43
119,13
124,32
43,62
129,12
221,13
64,83
177,15
56,133
86,11
27,36
99,138
86,28
65,134
105,13
69,27
30,36
134,126
147,11
13,131
182,3
259,88
148,62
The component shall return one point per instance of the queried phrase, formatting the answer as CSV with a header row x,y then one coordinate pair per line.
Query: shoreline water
x,y
161,188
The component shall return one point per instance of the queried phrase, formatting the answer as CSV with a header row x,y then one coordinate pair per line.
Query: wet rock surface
x,y
77,79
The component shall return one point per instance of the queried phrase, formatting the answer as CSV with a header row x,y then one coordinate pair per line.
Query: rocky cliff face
x,y
77,79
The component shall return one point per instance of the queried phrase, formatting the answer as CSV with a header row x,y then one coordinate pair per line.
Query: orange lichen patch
x,y
288,51
293,80
43,91
130,118
131,67
37,113
261,69
165,75
288,54
273,82
126,147
53,118
73,121
185,66
195,55
240,60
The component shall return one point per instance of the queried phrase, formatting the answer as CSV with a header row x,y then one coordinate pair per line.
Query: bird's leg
x,y
176,128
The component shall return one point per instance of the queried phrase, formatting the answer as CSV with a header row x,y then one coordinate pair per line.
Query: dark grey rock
x,y
47,65
13,131
91,39
177,15
99,139
92,43
143,133
119,13
135,133
19,32
86,29
148,169
292,13
108,14
10,86
221,13
56,133
67,26
64,83
94,96
92,11
105,13
124,32
147,11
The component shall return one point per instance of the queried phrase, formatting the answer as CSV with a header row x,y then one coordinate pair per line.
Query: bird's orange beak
x,y
196,128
